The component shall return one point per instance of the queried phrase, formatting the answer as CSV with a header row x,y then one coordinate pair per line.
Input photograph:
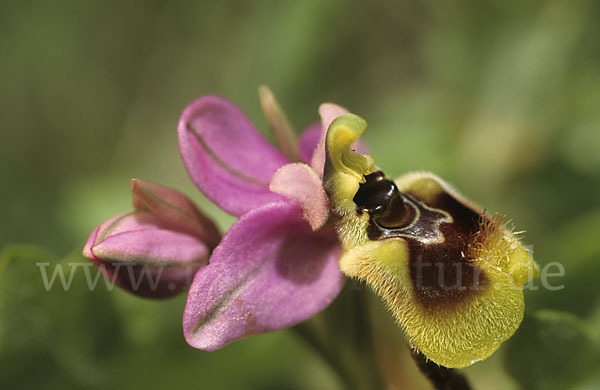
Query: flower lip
x,y
438,235
450,275
443,275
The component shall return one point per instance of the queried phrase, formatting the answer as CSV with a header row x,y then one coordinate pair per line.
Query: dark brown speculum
x,y
437,234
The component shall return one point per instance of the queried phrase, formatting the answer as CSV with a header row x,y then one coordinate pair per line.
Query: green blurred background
x,y
501,98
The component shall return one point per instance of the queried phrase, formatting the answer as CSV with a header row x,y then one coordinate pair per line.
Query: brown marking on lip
x,y
437,233
453,277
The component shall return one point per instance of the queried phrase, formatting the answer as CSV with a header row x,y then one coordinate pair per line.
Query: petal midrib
x,y
212,313
221,163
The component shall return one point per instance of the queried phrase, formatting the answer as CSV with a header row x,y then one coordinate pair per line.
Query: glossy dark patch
x,y
386,205
437,234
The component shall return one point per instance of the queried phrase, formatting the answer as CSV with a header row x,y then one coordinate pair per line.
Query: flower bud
x,y
451,275
155,250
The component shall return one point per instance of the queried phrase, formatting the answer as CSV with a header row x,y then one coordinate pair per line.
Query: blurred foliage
x,y
552,350
76,338
50,329
498,97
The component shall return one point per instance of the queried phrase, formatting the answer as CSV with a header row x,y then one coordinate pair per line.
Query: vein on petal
x,y
227,298
221,163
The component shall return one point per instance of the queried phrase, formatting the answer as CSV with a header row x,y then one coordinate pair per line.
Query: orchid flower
x,y
311,212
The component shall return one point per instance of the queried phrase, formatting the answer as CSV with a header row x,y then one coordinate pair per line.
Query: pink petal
x,y
328,112
309,140
174,210
146,281
153,246
141,237
270,271
300,183
136,252
226,157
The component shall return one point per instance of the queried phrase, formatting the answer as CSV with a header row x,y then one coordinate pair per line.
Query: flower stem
x,y
441,378
308,334
343,337
366,343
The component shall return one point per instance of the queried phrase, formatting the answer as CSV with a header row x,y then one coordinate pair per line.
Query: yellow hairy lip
x,y
453,328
